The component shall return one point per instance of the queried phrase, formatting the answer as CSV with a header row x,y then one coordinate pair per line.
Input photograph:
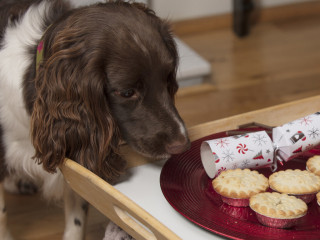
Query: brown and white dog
x,y
106,74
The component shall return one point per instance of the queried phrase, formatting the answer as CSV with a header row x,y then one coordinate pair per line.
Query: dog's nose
x,y
177,147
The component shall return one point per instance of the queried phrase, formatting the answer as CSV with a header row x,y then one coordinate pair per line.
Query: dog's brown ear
x,y
71,117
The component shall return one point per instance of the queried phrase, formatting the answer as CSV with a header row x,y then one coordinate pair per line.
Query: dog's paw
x,y
113,232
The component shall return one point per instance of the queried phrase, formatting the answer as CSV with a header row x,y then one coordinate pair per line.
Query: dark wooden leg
x,y
241,16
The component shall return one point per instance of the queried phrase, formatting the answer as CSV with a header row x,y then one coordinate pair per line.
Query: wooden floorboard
x,y
30,217
279,62
259,15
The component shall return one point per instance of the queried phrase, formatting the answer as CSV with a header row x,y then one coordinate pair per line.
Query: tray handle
x,y
114,205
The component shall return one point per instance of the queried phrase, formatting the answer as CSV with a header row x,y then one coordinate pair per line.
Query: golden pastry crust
x,y
313,165
277,205
240,183
294,182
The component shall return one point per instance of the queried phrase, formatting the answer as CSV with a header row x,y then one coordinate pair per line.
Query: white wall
x,y
78,3
186,9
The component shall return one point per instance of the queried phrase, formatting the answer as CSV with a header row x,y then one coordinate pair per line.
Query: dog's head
x,y
108,75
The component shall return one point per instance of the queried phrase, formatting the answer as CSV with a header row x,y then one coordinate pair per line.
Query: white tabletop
x,y
143,187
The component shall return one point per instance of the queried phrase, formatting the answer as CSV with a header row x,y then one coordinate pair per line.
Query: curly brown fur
x,y
72,114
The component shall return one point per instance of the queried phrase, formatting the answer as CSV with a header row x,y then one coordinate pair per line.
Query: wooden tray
x,y
127,214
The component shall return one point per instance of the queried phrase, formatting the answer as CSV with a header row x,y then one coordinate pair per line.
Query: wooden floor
x,y
279,62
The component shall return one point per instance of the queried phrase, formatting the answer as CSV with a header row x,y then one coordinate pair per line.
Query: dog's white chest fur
x,y
14,60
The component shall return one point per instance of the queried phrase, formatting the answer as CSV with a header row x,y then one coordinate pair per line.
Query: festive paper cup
x,y
278,222
236,202
252,150
307,198
241,213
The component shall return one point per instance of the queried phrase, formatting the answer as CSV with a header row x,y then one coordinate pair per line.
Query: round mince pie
x,y
278,210
313,165
236,186
302,184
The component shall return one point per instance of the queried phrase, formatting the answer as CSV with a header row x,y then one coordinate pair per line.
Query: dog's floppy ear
x,y
70,116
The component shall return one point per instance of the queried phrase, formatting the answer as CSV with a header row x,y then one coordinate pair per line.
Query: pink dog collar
x,y
39,56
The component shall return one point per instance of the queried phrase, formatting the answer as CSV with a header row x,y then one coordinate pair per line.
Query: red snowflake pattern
x,y
242,148
222,142
305,121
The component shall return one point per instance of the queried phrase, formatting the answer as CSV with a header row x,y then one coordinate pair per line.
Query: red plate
x,y
187,188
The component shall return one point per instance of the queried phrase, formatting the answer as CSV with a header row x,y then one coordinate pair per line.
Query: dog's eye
x,y
128,93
